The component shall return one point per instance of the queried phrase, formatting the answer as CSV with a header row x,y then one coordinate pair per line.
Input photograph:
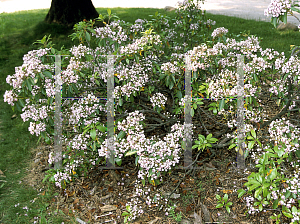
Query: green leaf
x,y
274,21
194,146
219,205
241,192
229,204
101,128
109,12
120,101
284,19
218,197
253,186
222,104
118,161
21,101
130,153
87,36
121,134
31,81
215,111
289,215
273,174
257,192
231,146
250,144
209,136
192,112
171,85
253,133
93,134
225,198
28,84
48,74
228,209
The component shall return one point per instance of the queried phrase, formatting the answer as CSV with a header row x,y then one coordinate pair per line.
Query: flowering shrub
x,y
144,60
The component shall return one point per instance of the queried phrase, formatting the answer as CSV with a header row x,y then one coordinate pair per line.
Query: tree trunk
x,y
70,12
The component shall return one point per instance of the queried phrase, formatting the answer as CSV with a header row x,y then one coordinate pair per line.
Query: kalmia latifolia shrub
x,y
150,62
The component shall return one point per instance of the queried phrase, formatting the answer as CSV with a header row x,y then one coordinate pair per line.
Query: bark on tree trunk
x,y
70,12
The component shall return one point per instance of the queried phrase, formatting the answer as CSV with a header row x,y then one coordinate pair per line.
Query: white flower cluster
x,y
171,67
10,96
138,44
113,31
136,79
278,7
184,100
158,100
153,154
194,26
199,57
59,177
32,65
34,113
36,128
219,32
138,26
80,51
210,22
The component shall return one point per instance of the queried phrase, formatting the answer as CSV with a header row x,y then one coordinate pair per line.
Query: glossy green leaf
x,y
93,134
101,128
241,192
118,161
22,103
48,74
251,144
253,133
219,205
221,104
284,19
28,85
131,153
273,174
257,192
121,135
228,209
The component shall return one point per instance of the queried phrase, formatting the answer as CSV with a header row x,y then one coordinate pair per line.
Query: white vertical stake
x,y
240,113
57,119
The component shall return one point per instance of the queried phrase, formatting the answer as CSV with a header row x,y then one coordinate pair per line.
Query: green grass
x,y
17,33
